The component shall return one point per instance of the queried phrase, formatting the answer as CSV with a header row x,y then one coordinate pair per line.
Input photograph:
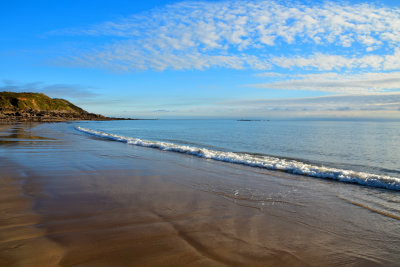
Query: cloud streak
x,y
337,83
372,105
328,62
247,35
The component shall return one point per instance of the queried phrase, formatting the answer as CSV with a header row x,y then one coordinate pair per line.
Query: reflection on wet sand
x,y
88,202
22,242
17,133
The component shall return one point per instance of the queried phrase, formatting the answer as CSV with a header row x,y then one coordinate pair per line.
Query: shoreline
x,y
274,163
97,202
60,119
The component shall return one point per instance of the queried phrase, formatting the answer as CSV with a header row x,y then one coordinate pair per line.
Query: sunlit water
x,y
355,152
362,146
361,212
342,221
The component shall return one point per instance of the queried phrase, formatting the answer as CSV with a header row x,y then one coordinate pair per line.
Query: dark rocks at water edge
x,y
41,108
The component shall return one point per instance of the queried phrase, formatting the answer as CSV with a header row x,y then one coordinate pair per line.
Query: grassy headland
x,y
40,107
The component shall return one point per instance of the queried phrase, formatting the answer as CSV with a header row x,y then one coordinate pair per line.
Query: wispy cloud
x,y
328,62
163,111
363,83
245,35
372,105
53,90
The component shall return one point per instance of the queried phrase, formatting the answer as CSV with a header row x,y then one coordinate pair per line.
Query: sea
x,y
327,191
356,152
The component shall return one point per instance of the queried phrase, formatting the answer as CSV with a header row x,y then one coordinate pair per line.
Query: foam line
x,y
267,162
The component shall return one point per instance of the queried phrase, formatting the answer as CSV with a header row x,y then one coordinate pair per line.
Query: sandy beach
x,y
69,199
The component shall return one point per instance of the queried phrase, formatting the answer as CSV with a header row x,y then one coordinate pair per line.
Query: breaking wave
x,y
266,162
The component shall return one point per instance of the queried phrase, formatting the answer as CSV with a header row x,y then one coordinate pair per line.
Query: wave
x,y
266,162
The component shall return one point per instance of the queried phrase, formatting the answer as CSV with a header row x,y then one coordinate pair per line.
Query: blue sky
x,y
168,59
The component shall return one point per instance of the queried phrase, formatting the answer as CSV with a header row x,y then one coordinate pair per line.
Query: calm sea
x,y
361,152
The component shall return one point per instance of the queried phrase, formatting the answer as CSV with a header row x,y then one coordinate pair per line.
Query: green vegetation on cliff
x,y
35,101
39,107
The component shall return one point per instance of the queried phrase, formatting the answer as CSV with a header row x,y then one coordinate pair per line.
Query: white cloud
x,y
270,75
126,56
241,34
392,61
328,62
338,83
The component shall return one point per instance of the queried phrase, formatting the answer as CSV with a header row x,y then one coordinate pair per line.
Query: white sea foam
x,y
267,162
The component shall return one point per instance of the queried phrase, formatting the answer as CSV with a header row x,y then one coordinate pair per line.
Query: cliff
x,y
39,107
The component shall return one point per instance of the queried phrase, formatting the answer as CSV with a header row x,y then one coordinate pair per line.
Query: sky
x,y
207,59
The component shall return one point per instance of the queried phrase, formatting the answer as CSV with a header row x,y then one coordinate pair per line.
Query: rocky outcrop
x,y
32,115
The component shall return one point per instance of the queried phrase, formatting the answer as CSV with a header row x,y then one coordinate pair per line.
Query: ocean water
x,y
358,152
103,170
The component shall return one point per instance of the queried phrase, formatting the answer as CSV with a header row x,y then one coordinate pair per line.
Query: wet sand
x,y
68,199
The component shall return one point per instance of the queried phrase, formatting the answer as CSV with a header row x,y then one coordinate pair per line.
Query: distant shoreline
x,y
61,119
